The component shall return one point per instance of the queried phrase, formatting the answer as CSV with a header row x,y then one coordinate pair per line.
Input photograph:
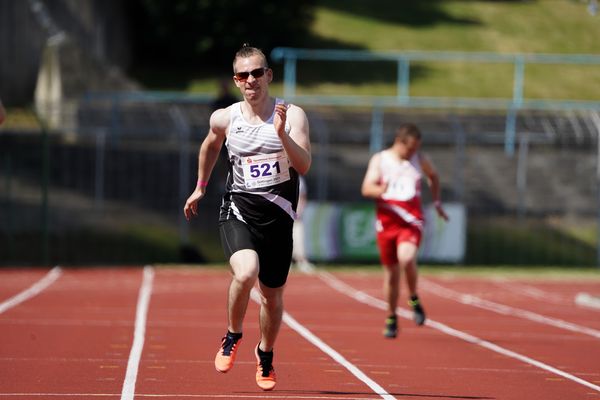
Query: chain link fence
x,y
108,187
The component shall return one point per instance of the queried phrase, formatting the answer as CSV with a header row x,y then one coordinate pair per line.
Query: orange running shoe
x,y
226,354
265,373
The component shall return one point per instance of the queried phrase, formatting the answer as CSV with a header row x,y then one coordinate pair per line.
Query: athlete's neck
x,y
400,153
259,111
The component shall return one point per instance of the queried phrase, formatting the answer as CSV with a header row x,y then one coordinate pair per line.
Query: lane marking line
x,y
363,297
141,315
178,395
475,301
531,291
587,300
33,290
325,348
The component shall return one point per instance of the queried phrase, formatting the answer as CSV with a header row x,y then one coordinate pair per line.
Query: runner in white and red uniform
x,y
399,211
393,179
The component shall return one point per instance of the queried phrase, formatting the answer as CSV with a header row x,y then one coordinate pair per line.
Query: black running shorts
x,y
273,243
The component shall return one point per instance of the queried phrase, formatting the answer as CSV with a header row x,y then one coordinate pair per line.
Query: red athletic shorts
x,y
389,239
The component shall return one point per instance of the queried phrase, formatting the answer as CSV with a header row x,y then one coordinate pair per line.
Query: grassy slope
x,y
550,26
558,26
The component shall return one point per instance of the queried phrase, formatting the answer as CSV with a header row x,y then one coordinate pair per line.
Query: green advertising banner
x,y
357,232
346,232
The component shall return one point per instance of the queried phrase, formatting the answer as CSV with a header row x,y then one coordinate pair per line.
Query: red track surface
x,y
73,339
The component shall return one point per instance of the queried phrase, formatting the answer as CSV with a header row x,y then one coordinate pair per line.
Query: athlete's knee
x,y
244,264
246,276
407,263
392,272
271,298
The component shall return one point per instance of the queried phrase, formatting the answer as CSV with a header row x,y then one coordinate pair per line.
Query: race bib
x,y
266,170
401,188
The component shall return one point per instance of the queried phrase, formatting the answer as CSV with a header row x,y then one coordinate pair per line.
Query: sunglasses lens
x,y
257,73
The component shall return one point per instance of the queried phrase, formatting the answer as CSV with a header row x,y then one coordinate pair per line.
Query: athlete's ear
x,y
270,75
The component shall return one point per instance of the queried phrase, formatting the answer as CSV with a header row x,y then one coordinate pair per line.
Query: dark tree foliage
x,y
211,31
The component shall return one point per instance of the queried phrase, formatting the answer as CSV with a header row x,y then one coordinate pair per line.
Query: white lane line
x,y
135,354
587,300
33,290
377,303
475,301
179,395
531,291
325,348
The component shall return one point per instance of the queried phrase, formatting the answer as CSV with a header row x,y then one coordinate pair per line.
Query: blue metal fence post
x,y
289,76
376,129
403,83
517,102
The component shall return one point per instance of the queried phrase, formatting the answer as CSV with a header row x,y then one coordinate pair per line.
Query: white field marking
x,y
377,303
33,290
135,354
531,291
587,300
325,348
475,301
178,395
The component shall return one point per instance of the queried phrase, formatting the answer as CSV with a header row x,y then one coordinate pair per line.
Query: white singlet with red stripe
x,y
401,203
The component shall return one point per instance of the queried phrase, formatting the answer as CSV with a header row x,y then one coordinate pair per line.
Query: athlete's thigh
x,y
407,252
235,235
275,254
387,245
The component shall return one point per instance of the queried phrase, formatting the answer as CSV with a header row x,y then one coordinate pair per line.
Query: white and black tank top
x,y
262,187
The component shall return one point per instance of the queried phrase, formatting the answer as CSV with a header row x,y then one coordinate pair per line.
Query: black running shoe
x,y
418,312
391,327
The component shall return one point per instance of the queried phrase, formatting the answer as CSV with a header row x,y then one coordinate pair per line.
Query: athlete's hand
x,y
381,187
440,210
280,118
191,205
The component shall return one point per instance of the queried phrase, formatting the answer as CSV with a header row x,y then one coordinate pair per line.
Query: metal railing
x,y
403,98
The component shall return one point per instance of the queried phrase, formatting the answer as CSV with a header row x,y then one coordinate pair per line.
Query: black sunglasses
x,y
257,73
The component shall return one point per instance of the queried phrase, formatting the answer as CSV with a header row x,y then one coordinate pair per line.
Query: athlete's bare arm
x,y
207,158
433,181
372,185
297,143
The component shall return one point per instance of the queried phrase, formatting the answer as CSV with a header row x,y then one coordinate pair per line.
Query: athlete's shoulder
x,y
294,111
220,118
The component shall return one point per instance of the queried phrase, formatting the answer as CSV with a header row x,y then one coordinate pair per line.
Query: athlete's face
x,y
408,147
252,77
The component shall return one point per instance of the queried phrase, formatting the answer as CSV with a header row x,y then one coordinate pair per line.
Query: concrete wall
x,y
99,26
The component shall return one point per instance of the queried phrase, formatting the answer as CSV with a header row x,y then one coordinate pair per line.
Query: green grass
x,y
20,119
506,241
506,271
559,26
553,26
509,272
127,245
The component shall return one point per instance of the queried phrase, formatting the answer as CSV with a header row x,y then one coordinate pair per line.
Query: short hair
x,y
408,129
248,51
